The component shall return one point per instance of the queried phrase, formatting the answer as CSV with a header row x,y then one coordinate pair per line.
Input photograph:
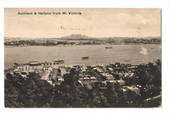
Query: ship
x,y
58,61
108,47
85,58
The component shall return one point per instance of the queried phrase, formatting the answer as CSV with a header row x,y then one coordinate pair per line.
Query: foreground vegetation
x,y
35,92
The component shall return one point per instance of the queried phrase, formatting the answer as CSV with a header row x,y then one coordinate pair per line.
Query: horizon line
x,y
87,36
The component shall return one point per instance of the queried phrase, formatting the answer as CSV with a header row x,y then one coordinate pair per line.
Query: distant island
x,y
78,39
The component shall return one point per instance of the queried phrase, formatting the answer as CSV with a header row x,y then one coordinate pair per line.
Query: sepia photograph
x,y
82,58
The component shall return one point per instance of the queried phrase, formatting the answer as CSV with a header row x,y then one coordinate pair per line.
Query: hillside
x,y
79,39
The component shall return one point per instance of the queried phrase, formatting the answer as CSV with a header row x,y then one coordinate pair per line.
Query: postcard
x,y
82,58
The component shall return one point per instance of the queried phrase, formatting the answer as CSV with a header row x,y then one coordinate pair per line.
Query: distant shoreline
x,y
69,45
75,45
78,39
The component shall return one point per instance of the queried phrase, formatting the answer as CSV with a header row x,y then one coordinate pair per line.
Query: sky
x,y
91,22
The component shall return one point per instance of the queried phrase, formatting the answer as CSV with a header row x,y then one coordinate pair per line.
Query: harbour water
x,y
72,55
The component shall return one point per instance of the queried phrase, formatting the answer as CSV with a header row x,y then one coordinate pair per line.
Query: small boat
x,y
85,58
126,60
59,61
109,47
33,63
